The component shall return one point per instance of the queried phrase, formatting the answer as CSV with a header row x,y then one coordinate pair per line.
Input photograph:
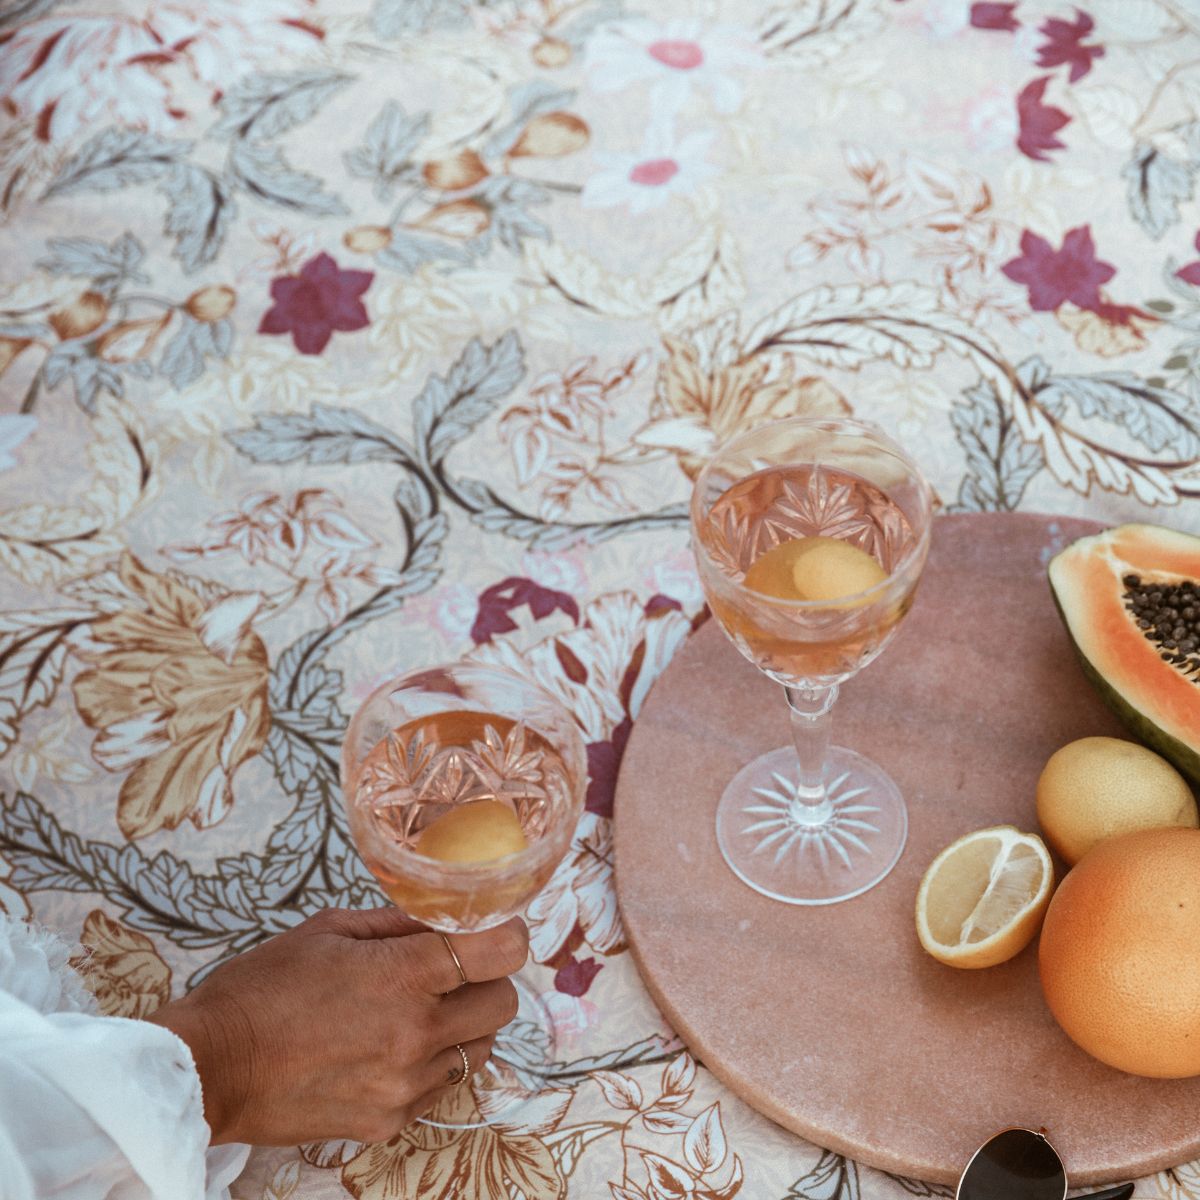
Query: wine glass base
x,y
518,1071
801,855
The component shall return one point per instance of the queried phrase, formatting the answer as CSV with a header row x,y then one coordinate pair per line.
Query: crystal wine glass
x,y
463,785
810,536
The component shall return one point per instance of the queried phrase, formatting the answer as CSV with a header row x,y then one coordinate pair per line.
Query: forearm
x,y
189,1021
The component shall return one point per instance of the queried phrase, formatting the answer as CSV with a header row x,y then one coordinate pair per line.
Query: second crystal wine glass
x,y
810,536
463,785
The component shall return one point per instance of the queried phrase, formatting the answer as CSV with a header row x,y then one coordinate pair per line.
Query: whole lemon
x,y
1098,787
1118,956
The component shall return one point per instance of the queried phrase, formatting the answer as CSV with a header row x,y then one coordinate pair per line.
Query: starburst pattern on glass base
x,y
841,833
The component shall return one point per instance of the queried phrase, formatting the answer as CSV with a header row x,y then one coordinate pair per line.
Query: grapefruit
x,y
1119,956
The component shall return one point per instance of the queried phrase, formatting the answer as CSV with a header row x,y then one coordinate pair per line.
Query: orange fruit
x,y
1097,787
477,831
814,569
1118,956
982,899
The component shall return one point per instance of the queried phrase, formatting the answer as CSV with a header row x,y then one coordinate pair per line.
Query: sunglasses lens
x,y
1014,1165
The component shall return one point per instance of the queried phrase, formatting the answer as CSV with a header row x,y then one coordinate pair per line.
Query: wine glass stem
x,y
811,710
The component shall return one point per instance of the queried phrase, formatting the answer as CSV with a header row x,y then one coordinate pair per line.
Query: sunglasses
x,y
1019,1164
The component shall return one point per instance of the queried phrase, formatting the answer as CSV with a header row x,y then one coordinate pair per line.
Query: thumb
x,y
368,923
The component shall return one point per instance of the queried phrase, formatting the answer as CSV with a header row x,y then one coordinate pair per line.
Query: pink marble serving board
x,y
832,1021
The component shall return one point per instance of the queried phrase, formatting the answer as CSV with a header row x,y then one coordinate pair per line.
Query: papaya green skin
x,y
1185,759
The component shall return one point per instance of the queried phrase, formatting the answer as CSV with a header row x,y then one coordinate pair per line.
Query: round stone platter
x,y
831,1020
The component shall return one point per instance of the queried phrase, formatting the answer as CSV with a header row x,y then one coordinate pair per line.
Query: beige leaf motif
x,y
698,409
713,283
619,1090
694,283
1109,111
123,457
668,1179
1078,464
332,1153
903,323
704,1144
284,1182
622,1192
181,716
537,1114
657,1121
678,1079
728,1189
567,1145
581,890
43,543
123,970
436,1163
12,903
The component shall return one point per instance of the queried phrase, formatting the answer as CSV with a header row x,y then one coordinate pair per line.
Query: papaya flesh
x,y
1130,599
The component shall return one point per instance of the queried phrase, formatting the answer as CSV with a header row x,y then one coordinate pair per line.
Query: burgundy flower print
x,y
1055,276
1039,122
994,16
1191,272
311,305
658,602
1064,44
497,601
604,761
576,977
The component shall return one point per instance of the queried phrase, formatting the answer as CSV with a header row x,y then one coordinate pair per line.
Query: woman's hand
x,y
345,1026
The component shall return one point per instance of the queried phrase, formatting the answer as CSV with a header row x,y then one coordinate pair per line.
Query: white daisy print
x,y
647,180
674,56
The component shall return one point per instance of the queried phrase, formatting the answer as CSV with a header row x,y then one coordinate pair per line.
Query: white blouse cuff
x,y
87,1100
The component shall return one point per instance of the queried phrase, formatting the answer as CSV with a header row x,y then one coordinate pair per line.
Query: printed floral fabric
x,y
339,337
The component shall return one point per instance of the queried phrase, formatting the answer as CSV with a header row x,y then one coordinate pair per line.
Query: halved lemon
x,y
983,898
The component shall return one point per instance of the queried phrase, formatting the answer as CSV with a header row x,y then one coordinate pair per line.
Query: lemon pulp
x,y
983,897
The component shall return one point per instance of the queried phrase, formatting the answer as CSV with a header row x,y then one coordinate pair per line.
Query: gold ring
x,y
466,1066
461,973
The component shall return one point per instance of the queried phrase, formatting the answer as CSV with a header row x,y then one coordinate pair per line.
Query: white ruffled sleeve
x,y
94,1106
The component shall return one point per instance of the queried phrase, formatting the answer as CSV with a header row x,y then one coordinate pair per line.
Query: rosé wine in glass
x,y
767,520
810,536
465,790
463,785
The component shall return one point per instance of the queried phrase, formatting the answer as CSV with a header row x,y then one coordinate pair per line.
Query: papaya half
x,y
1130,599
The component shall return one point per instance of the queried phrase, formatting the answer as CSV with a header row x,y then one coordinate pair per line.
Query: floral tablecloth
x,y
341,337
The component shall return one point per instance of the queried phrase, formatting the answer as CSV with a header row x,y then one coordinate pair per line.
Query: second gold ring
x,y
466,1070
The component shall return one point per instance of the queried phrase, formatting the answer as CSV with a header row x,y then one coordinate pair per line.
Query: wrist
x,y
186,1020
